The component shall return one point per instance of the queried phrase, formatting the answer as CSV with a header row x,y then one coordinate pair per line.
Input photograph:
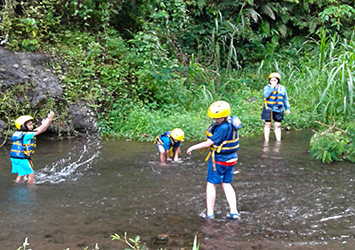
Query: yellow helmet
x,y
219,109
276,75
22,120
177,134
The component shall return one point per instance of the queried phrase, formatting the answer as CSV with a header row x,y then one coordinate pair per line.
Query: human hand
x,y
189,151
288,112
50,115
49,118
273,84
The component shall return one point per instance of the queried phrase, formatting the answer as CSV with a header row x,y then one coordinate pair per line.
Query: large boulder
x,y
2,127
83,119
23,67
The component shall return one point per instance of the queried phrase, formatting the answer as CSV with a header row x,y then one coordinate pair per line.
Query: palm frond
x,y
253,14
266,9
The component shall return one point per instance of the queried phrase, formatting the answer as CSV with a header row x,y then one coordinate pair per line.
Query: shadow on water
x,y
88,189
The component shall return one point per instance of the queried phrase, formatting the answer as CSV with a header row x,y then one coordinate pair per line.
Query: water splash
x,y
79,160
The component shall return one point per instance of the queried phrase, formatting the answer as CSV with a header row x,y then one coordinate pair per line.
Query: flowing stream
x,y
88,189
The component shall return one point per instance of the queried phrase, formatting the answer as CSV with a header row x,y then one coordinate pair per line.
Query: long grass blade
x,y
351,88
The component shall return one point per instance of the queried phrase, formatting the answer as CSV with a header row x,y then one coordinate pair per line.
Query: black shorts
x,y
276,116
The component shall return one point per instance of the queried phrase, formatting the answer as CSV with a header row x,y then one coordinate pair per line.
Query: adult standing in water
x,y
275,102
223,141
23,144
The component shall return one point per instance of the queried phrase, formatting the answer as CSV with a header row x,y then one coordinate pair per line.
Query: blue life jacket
x,y
174,144
20,150
158,138
276,99
229,146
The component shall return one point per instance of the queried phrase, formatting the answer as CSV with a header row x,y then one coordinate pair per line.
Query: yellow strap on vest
x,y
157,140
219,148
266,108
213,160
265,103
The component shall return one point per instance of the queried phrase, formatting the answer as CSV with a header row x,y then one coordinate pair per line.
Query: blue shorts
x,y
267,115
21,166
223,174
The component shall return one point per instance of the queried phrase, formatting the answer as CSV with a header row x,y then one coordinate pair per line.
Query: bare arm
x,y
176,155
200,145
45,124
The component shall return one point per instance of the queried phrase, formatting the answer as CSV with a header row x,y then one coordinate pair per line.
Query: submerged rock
x,y
161,239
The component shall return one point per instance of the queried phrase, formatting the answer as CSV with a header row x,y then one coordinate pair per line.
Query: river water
x,y
88,189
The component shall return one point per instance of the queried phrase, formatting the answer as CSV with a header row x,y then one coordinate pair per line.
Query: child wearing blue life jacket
x,y
169,144
275,102
223,141
23,144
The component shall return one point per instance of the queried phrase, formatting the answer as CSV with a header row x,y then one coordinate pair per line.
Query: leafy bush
x,y
328,146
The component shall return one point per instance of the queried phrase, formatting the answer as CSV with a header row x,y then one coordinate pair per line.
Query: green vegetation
x,y
132,243
329,146
149,66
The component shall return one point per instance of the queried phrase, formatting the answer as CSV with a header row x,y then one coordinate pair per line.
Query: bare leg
x,y
277,128
267,131
31,178
18,179
167,155
210,198
231,198
162,157
277,146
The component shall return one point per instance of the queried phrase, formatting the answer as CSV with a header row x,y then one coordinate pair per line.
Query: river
x,y
88,189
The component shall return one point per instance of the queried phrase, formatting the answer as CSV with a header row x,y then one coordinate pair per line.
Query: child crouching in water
x,y
169,144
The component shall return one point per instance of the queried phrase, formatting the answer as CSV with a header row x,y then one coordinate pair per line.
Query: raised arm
x,y
45,124
268,89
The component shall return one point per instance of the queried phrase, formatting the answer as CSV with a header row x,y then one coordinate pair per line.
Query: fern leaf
x,y
266,9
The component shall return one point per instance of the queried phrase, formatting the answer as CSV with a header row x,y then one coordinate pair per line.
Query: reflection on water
x,y
271,151
22,195
89,189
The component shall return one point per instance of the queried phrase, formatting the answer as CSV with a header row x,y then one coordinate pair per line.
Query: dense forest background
x,y
149,66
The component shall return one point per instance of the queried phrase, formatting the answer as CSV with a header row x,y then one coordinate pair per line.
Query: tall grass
x,y
337,89
219,50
